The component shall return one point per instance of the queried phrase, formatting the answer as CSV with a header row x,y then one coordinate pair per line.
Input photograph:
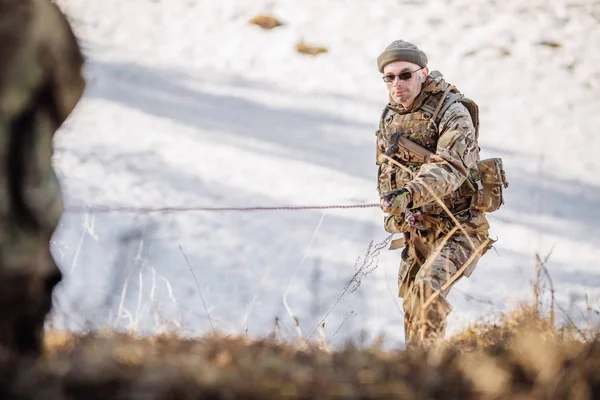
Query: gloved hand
x,y
395,202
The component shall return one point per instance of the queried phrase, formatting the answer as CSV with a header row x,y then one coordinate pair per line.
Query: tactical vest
x,y
421,126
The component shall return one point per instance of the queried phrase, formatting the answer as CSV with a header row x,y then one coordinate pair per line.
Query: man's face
x,y
404,91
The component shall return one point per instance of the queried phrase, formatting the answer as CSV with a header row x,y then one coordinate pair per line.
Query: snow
x,y
187,104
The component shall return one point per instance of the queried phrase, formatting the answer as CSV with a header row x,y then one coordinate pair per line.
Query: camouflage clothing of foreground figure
x,y
420,111
40,84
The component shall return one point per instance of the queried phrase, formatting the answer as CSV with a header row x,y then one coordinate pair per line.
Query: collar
x,y
429,87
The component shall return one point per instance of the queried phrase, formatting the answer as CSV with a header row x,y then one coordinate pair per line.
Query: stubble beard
x,y
403,98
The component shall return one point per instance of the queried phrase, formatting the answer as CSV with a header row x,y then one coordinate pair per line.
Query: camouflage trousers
x,y
429,265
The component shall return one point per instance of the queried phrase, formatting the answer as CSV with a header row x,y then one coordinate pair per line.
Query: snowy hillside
x,y
189,105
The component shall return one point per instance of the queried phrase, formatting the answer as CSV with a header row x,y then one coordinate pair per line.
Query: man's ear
x,y
425,74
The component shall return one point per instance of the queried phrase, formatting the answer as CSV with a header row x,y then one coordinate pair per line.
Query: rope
x,y
144,210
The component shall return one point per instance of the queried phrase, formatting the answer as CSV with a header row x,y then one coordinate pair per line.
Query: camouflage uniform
x,y
455,148
40,84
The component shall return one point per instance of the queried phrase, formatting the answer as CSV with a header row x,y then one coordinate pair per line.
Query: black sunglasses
x,y
404,76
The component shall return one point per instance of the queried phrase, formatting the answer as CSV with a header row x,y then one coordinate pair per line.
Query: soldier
x,y
426,150
40,83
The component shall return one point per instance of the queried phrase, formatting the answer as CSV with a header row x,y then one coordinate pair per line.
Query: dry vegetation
x,y
521,357
266,22
310,49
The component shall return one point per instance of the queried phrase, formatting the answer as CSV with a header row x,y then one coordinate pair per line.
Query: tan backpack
x,y
488,178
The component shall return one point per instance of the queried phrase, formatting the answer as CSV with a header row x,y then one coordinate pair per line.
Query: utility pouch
x,y
490,183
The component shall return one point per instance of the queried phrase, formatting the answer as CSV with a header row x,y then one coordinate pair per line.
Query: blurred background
x,y
275,103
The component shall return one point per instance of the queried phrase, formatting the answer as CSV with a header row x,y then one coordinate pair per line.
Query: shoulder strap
x,y
444,104
473,109
384,114
433,105
469,104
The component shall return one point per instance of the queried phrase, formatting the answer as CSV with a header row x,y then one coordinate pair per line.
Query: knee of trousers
x,y
434,276
418,296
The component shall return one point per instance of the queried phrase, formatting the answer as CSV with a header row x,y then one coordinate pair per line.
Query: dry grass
x,y
310,49
522,356
266,22
517,355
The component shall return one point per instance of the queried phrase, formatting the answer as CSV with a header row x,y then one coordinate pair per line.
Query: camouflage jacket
x,y
454,144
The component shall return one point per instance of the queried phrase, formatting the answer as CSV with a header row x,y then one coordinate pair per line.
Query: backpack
x,y
488,178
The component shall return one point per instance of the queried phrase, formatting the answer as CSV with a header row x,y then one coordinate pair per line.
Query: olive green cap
x,y
399,50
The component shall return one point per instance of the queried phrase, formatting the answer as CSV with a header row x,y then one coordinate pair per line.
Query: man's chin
x,y
400,100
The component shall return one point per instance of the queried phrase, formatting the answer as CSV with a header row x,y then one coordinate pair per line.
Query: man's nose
x,y
397,81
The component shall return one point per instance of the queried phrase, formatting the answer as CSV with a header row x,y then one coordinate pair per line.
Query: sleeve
x,y
377,152
457,151
379,142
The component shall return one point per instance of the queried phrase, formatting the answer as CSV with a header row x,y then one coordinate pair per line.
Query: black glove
x,y
395,202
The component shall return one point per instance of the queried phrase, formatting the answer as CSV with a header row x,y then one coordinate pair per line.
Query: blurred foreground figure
x,y
429,168
40,83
